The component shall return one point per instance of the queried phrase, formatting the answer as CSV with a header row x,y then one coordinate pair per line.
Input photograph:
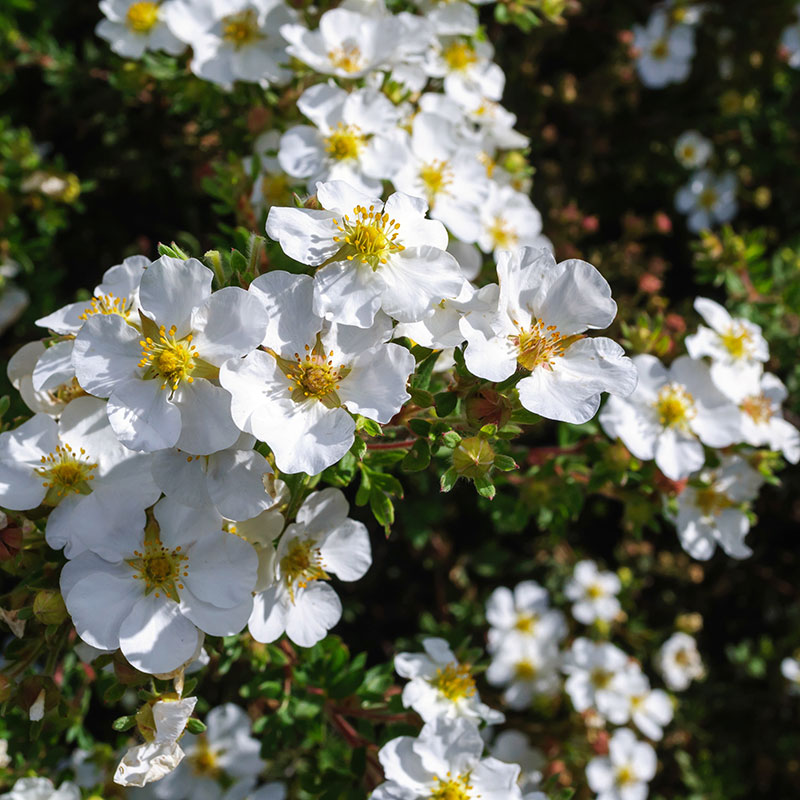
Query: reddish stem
x,y
396,445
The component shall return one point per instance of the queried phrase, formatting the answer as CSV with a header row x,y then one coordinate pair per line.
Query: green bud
x,y
473,458
49,608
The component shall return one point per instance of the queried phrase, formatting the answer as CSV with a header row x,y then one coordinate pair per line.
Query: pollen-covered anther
x,y
347,58
370,236
142,17
758,407
736,341
453,788
161,569
241,29
67,471
345,142
674,406
314,375
502,234
302,565
459,55
454,681
107,304
169,359
436,176
540,345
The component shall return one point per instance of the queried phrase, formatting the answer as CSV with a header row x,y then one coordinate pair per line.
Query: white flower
x,y
99,488
117,295
679,661
162,753
269,791
234,40
761,418
48,401
649,709
672,414
692,150
527,668
714,511
271,185
297,396
185,572
736,347
133,26
13,301
444,761
523,612
513,747
347,43
323,541
225,749
509,221
708,199
354,139
441,686
591,668
665,51
542,312
237,481
790,669
467,68
593,593
626,771
160,377
438,166
373,255
450,17
41,789
790,41
5,759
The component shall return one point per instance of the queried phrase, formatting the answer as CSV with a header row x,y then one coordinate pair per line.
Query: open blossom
x,y
736,347
692,150
679,661
514,747
467,68
538,328
527,668
762,421
591,669
374,255
672,414
354,138
161,753
440,685
116,295
133,26
298,394
523,612
708,200
323,541
509,221
593,593
664,51
444,761
41,789
790,40
226,749
790,669
712,509
625,772
159,372
233,40
98,488
151,596
649,709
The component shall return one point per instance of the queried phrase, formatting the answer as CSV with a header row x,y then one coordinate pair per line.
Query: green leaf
x,y
421,397
238,262
371,427
359,448
446,403
422,376
448,480
382,509
451,439
420,426
505,463
485,487
418,457
124,723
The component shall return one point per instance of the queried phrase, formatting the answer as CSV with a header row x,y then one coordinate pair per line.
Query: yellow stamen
x,y
347,58
539,345
736,341
459,55
758,407
503,236
345,142
169,360
142,17
241,29
302,565
162,570
674,406
107,304
436,176
454,681
452,788
370,236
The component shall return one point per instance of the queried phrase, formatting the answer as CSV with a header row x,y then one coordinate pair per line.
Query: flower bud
x,y
487,407
10,543
48,607
473,458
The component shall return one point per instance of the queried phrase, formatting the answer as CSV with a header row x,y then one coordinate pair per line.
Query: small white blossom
x,y
593,593
679,661
708,200
513,747
591,668
133,26
790,669
509,221
665,51
527,668
626,771
692,150
441,686
523,612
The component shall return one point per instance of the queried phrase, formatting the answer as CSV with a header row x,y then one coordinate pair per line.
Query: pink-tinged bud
x,y
10,543
662,222
488,407
675,322
650,283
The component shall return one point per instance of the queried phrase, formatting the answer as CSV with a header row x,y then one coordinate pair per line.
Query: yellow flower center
x,y
526,622
204,760
302,565
436,176
314,375
107,304
637,701
711,502
450,788
687,153
241,29
162,570
708,198
370,236
66,472
275,190
540,344
67,392
659,49
169,360
454,681
625,775
758,407
600,678
459,55
594,591
345,142
142,17
347,58
674,406
682,658
502,234
525,670
736,340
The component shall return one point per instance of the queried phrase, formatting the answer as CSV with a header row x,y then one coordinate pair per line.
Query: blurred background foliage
x,y
148,153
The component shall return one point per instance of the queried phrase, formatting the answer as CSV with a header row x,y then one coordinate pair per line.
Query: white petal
x,y
306,235
236,483
287,299
346,551
222,570
315,611
205,418
212,619
142,416
268,618
106,353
